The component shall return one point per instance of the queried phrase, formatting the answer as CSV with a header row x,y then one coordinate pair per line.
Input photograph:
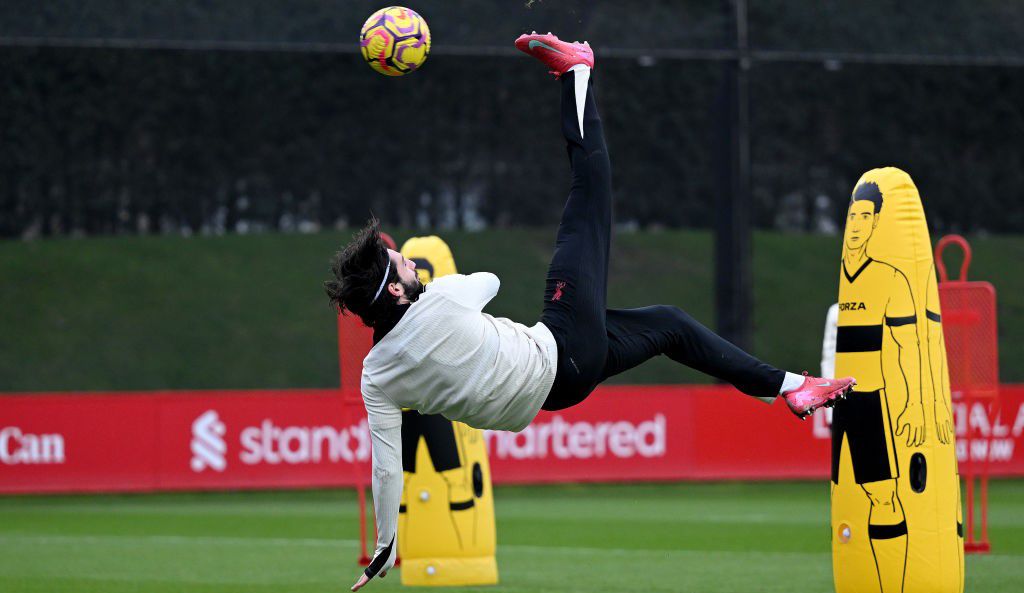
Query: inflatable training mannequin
x,y
446,532
895,489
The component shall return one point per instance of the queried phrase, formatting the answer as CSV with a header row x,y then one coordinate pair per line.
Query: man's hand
x,y
943,422
363,579
912,418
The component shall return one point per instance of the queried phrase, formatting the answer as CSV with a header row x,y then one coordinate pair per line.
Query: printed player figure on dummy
x,y
875,298
895,487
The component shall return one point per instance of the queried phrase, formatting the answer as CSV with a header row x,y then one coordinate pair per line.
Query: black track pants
x,y
595,343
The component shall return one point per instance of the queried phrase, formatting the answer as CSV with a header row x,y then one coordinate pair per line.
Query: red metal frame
x,y
966,383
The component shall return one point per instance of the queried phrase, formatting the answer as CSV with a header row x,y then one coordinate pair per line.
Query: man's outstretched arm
x,y
385,420
901,317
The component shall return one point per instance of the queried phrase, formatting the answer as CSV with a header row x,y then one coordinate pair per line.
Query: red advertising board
x,y
308,438
660,433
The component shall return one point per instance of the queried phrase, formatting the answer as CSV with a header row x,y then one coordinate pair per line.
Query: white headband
x,y
382,282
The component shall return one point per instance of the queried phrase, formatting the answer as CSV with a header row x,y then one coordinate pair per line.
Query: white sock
x,y
791,382
582,77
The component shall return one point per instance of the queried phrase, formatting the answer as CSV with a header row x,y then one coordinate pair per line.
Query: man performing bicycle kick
x,y
435,350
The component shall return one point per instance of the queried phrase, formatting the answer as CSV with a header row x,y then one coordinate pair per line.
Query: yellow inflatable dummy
x,y
895,489
446,530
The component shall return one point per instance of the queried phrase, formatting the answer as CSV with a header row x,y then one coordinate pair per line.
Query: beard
x,y
413,289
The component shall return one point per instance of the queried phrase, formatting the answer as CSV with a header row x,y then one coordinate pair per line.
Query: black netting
x,y
220,116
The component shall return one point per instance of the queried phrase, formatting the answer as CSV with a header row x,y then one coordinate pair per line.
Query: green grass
x,y
710,538
249,312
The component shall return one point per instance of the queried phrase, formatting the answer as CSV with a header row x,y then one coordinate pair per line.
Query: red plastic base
x,y
977,547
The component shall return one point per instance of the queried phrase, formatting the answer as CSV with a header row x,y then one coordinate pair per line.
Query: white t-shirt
x,y
445,356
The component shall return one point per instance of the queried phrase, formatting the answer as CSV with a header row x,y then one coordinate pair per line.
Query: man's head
x,y
862,217
370,280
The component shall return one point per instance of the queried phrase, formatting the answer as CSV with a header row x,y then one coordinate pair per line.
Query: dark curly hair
x,y
868,191
358,271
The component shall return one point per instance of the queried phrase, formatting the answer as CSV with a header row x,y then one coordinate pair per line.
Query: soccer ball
x,y
395,40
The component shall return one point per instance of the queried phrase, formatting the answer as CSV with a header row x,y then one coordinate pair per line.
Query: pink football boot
x,y
815,393
556,54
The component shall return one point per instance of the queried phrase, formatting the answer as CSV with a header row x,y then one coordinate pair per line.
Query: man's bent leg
x,y
637,335
575,293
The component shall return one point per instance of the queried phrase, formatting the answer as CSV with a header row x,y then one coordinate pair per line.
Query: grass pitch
x,y
733,537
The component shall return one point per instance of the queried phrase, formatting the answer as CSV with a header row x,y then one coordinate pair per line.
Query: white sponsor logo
x,y
580,440
980,421
272,444
984,434
980,449
20,448
208,446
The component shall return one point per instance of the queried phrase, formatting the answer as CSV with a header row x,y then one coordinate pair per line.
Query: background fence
x,y
219,116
